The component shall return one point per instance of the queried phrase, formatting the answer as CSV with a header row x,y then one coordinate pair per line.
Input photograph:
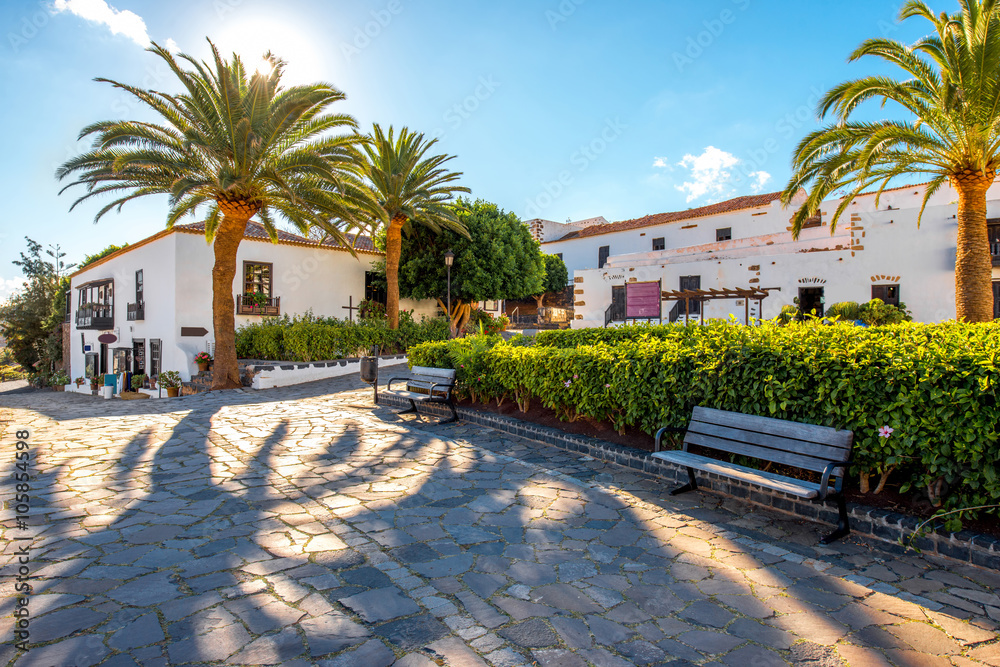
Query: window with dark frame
x,y
374,289
993,235
724,234
691,283
559,255
257,278
154,357
659,243
138,286
887,293
139,355
602,255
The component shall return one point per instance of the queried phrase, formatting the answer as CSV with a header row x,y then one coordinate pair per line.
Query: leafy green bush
x,y
309,338
875,313
846,310
935,385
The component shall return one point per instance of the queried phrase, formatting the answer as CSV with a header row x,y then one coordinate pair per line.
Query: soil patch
x,y
913,504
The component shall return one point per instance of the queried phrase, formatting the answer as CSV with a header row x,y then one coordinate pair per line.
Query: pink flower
x,y
885,431
575,376
607,386
567,383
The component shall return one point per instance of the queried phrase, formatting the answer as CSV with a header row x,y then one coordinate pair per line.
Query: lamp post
x,y
449,259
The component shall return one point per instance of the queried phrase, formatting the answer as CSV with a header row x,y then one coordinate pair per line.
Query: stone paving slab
x,y
299,526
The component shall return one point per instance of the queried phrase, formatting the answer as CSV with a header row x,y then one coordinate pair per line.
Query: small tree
x,y
556,278
499,261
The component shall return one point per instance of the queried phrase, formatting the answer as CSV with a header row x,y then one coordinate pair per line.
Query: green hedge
x,y
309,338
935,385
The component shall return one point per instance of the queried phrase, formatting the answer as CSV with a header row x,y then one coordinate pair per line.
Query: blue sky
x,y
554,108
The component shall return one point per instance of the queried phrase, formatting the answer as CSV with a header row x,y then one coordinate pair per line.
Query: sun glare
x,y
253,36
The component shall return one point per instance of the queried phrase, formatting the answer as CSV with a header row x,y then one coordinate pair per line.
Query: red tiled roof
x,y
728,206
256,231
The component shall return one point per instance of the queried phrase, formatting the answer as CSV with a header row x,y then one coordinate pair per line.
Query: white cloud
x,y
171,46
662,163
9,285
715,173
120,22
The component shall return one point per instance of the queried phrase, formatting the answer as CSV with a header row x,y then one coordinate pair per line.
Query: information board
x,y
642,300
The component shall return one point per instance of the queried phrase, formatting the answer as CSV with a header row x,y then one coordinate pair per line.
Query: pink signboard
x,y
642,300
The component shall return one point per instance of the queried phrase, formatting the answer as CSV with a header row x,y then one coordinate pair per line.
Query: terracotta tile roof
x,y
256,231
728,206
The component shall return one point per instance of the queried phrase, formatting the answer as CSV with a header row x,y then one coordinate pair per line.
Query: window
x,y
888,293
139,356
993,232
69,304
90,365
256,278
138,286
602,255
724,234
996,299
815,221
154,357
375,287
491,306
659,243
559,255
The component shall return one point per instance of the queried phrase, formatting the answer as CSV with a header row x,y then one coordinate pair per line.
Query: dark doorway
x,y
139,356
996,299
811,301
617,303
104,359
691,283
122,360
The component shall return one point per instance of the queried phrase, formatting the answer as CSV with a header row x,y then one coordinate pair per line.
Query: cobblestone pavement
x,y
297,526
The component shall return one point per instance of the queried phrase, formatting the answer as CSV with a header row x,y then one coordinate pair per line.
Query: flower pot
x,y
58,387
173,392
202,366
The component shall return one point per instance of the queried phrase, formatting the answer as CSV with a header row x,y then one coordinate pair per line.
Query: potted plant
x,y
203,359
171,381
80,381
93,382
135,394
152,381
257,301
59,380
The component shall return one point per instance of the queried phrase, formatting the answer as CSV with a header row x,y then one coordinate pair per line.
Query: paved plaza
x,y
298,526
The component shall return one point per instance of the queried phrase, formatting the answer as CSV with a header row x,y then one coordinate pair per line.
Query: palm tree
x,y
952,96
241,145
410,189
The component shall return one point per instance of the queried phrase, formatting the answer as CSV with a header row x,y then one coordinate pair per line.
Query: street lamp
x,y
449,259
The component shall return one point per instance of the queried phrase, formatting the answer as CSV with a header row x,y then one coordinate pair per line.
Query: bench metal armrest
x,y
435,385
666,429
824,483
388,385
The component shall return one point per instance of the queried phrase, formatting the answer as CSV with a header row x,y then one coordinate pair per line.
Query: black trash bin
x,y
369,371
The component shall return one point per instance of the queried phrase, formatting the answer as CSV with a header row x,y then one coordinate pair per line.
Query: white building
x,y
148,307
747,243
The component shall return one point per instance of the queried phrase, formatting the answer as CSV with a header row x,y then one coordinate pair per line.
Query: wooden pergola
x,y
703,295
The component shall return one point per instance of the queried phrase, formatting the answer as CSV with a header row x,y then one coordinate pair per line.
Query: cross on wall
x,y
350,308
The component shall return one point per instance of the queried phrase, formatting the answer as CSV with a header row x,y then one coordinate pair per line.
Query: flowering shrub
x,y
921,399
202,358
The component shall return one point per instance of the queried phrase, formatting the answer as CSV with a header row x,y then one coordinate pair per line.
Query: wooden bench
x,y
818,449
427,385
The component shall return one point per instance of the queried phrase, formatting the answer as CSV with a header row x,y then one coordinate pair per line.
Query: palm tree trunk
x,y
226,370
393,249
973,267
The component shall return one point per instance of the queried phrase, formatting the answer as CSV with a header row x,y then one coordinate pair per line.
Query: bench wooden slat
x,y
734,440
762,453
796,430
416,396
789,485
448,373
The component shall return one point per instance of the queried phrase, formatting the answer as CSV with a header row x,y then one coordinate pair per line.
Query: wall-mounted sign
x,y
193,331
107,339
643,300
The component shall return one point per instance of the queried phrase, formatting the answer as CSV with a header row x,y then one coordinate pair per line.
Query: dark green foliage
x,y
500,261
556,275
90,259
309,338
935,385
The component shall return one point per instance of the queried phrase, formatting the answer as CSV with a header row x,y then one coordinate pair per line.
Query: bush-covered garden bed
x,y
920,399
311,338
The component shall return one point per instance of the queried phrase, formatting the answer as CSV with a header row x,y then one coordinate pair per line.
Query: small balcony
x,y
251,304
136,312
95,317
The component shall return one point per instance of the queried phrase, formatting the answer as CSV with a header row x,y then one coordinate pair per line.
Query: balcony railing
x,y
247,304
95,317
136,312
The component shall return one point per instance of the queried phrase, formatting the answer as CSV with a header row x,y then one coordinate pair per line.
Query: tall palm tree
x,y
411,189
952,98
239,144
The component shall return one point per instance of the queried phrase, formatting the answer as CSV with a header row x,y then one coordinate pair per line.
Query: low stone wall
x,y
880,524
270,374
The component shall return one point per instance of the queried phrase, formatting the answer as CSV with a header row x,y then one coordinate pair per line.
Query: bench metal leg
x,y
692,485
412,408
454,413
843,526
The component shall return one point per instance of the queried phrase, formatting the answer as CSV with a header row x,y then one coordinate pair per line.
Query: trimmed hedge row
x,y
312,339
934,385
